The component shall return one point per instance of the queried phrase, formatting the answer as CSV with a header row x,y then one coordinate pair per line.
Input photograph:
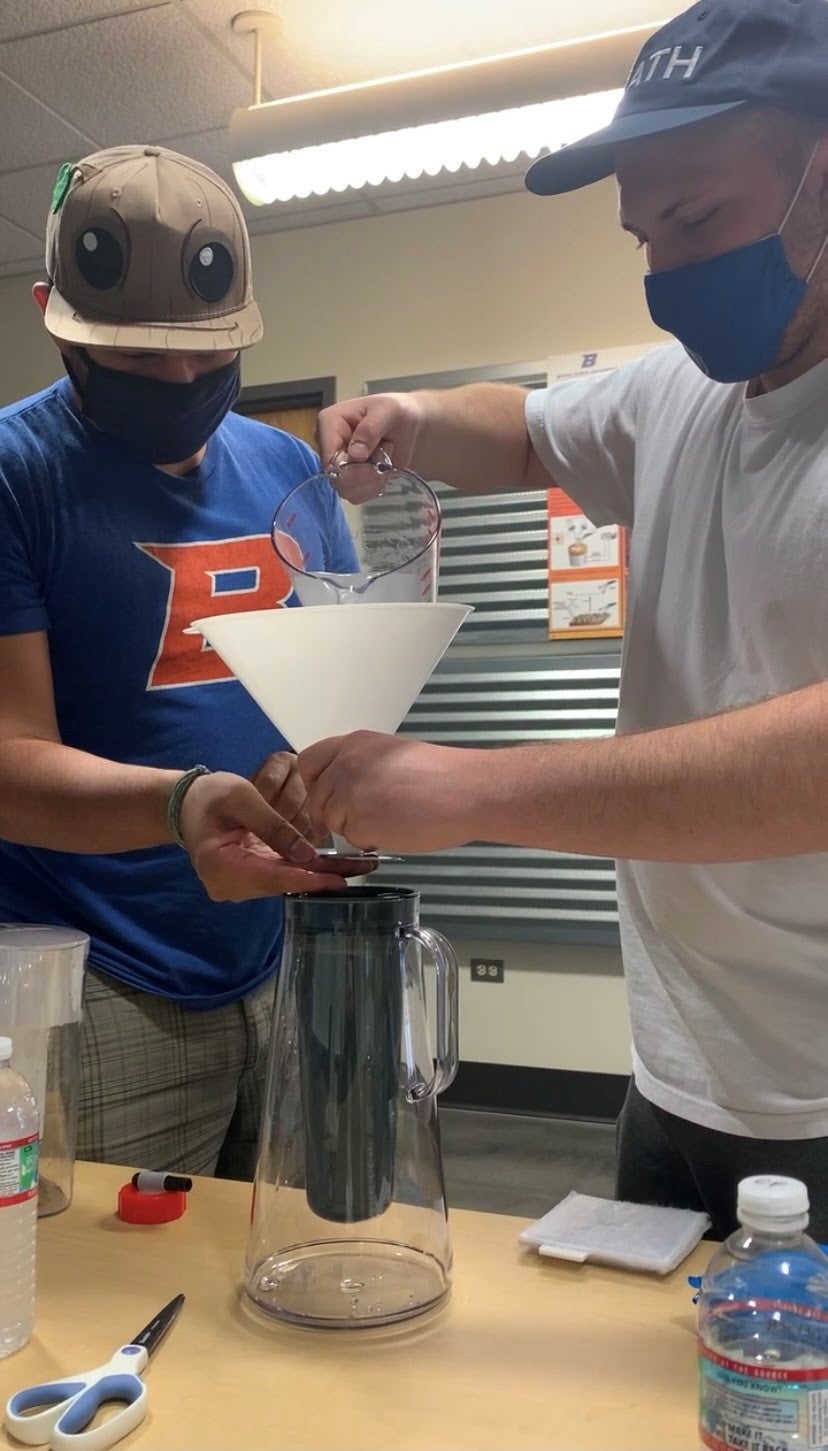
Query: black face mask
x,y
161,422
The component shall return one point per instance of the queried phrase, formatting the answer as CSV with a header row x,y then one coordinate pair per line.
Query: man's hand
x,y
741,787
241,848
399,794
358,427
282,787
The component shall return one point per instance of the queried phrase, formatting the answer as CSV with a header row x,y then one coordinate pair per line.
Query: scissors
x,y
56,1413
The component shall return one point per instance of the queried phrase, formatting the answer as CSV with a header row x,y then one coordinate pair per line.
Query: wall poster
x,y
588,566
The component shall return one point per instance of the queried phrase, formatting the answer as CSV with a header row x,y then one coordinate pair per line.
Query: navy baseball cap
x,y
714,58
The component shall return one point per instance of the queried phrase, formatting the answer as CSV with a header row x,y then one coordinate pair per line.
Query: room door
x,y
294,407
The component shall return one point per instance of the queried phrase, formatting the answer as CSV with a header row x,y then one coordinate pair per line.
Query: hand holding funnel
x,y
319,672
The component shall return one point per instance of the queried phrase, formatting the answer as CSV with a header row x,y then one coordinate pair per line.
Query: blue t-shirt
x,y
115,558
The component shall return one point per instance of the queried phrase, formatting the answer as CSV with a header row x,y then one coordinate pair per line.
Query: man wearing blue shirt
x,y
132,501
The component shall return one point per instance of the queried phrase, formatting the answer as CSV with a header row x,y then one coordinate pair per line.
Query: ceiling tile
x,y
288,73
324,43
78,74
30,134
37,16
209,147
25,197
145,73
15,245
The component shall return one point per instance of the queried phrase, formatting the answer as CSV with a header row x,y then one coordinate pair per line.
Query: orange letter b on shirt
x,y
216,577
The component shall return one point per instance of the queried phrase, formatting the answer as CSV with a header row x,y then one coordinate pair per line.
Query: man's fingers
x,y
246,876
316,759
254,814
278,879
321,798
367,437
272,777
318,766
335,426
283,789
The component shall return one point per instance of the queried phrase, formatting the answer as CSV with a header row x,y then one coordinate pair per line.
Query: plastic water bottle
x,y
763,1328
19,1146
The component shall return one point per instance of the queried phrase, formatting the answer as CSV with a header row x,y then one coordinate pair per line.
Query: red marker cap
x,y
135,1207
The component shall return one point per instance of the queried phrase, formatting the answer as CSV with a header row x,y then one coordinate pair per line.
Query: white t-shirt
x,y
726,966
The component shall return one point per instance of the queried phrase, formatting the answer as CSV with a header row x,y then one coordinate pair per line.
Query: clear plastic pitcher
x,y
41,1004
350,1224
396,536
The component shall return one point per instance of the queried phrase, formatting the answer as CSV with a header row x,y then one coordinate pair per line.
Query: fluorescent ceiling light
x,y
482,112
416,151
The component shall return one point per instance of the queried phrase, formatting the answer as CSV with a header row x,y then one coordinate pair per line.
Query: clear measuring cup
x,y
41,1009
396,538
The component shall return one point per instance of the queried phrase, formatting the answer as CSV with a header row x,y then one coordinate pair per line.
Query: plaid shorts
x,y
165,1087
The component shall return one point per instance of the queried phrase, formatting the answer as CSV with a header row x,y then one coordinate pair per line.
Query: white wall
x,y
558,1007
507,279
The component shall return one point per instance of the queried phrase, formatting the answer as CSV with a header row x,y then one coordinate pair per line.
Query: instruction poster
x,y
587,574
588,566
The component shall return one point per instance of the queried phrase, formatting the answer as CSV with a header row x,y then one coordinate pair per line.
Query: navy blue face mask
x,y
732,311
161,422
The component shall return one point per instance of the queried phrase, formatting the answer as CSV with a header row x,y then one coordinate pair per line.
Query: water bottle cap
x,y
771,1197
6,1048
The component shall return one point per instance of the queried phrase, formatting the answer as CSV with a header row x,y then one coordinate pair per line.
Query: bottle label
x,y
746,1407
18,1170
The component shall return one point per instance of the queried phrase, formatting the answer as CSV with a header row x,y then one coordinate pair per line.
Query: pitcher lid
x,y
33,937
377,907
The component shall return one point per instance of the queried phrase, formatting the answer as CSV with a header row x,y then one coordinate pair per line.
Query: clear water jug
x,y
350,1225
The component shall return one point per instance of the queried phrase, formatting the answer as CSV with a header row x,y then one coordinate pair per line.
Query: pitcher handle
x,y
444,958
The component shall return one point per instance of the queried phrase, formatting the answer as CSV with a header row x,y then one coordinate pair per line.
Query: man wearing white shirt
x,y
714,794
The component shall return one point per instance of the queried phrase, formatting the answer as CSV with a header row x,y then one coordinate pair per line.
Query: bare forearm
x,y
66,800
474,438
745,786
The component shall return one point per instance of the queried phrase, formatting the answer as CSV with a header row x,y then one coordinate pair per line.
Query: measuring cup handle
x,y
443,956
380,460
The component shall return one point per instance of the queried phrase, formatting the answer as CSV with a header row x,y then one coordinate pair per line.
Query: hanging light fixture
x,y
476,113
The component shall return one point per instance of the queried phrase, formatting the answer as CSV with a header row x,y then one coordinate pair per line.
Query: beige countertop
x,y
529,1353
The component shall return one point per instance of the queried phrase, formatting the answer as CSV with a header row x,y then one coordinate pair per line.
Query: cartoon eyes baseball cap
x,y
714,58
148,249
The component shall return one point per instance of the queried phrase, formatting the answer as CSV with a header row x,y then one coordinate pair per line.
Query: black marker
x,y
148,1182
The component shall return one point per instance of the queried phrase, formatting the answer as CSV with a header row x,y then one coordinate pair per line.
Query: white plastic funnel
x,y
319,672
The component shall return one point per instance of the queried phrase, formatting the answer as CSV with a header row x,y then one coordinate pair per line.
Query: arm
x,y
474,438
55,797
490,438
61,799
745,786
